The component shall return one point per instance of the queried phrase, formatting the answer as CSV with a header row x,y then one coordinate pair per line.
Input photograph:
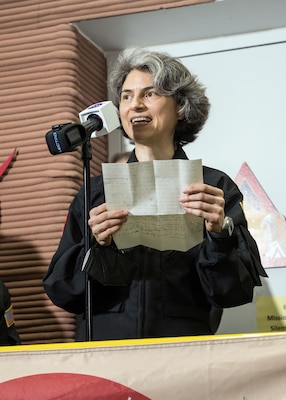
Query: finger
x,y
202,188
100,214
110,225
203,202
102,230
98,210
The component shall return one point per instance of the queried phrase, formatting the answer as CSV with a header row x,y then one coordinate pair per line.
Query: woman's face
x,y
147,117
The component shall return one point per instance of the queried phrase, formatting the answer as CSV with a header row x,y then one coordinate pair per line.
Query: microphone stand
x,y
86,157
66,137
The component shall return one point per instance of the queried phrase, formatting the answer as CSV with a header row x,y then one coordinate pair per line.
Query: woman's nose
x,y
137,102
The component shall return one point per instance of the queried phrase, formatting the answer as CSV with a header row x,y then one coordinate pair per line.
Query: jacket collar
x,y
179,154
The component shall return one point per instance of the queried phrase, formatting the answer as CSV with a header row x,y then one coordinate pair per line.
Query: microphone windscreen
x,y
57,142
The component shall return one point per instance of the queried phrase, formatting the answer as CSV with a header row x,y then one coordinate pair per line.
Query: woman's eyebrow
x,y
142,89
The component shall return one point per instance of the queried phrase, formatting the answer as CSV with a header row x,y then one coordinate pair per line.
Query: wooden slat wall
x,y
48,74
45,78
39,13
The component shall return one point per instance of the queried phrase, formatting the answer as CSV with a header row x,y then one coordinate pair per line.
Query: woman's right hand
x,y
104,223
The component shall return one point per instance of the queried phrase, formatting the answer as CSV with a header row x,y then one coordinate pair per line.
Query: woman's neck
x,y
145,153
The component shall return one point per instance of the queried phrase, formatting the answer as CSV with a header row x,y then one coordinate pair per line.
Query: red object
x,y
6,163
66,386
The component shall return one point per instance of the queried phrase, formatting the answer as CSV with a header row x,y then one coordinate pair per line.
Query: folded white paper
x,y
150,191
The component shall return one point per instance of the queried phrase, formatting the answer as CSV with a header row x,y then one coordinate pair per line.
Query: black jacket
x,y
8,333
142,292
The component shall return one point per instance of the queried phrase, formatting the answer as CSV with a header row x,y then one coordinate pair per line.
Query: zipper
x,y
141,293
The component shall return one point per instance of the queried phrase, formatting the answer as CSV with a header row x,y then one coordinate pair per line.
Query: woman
x,y
143,292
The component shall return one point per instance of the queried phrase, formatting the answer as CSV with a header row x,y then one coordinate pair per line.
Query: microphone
x,y
96,120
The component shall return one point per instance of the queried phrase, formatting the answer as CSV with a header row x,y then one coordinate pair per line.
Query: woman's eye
x,y
150,94
126,97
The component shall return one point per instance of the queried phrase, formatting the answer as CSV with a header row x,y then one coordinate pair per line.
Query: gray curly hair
x,y
170,78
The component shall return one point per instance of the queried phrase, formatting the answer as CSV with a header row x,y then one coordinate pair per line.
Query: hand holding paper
x,y
150,191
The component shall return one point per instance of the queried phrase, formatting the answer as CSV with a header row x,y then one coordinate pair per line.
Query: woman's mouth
x,y
140,120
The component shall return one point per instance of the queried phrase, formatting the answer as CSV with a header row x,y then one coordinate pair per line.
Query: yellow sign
x,y
271,314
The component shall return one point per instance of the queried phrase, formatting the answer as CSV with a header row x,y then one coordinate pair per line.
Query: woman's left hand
x,y
205,201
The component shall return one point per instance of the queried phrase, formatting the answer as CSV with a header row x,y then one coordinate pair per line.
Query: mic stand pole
x,y
87,156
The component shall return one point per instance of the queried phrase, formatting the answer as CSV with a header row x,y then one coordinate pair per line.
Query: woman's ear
x,y
180,116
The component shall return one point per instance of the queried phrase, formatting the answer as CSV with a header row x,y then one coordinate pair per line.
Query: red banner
x,y
6,163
